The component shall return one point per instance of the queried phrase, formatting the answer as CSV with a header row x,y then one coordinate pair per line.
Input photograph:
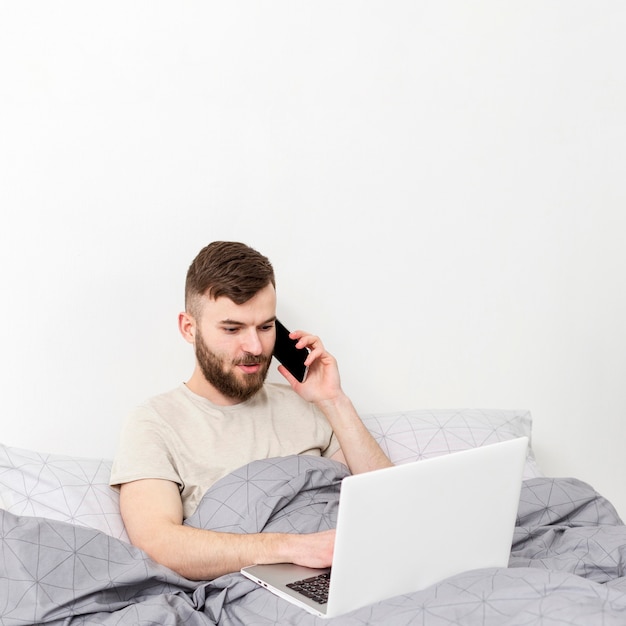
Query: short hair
x,y
226,268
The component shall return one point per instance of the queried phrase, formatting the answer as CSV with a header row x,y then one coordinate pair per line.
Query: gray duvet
x,y
567,563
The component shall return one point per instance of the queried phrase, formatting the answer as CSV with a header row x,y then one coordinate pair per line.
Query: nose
x,y
252,342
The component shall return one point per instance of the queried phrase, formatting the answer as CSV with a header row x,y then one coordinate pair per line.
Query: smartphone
x,y
291,357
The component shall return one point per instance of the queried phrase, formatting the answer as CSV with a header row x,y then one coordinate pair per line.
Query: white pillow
x,y
421,434
64,488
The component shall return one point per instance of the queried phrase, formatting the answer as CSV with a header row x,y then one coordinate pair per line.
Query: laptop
x,y
404,528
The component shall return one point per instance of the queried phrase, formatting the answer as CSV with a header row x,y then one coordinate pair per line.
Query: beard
x,y
224,379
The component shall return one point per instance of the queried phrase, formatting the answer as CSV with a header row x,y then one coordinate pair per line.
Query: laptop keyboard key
x,y
315,588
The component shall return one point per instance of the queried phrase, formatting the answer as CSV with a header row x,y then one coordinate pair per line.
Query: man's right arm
x,y
153,515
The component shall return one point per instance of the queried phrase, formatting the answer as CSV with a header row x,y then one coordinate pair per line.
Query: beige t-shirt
x,y
182,437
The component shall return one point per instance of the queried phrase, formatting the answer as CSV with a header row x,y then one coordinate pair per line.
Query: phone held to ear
x,y
291,357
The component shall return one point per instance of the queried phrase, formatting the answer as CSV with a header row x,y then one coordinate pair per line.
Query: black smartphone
x,y
291,357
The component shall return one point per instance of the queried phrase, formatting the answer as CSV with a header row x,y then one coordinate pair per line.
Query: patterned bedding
x,y
567,563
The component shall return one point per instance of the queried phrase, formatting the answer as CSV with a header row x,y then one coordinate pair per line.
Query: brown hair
x,y
226,268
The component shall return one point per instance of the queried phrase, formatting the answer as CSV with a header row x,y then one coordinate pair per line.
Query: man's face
x,y
234,343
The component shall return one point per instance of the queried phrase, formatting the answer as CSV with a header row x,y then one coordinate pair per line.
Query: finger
x,y
306,340
291,379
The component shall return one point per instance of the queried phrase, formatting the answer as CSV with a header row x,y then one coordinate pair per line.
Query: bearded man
x,y
177,444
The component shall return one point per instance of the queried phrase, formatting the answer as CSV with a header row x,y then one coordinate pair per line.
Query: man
x,y
179,443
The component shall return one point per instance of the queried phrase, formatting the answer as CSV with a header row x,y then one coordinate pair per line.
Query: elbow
x,y
161,547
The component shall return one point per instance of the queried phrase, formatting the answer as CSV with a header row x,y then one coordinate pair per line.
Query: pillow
x,y
64,488
423,434
76,490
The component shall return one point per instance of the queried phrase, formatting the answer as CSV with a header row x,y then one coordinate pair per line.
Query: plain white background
x,y
439,185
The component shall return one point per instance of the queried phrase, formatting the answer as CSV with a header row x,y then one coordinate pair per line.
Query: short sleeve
x,y
143,452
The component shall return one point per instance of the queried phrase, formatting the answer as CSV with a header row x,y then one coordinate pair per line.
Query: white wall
x,y
440,186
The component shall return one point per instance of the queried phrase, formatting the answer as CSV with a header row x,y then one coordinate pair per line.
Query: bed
x,y
65,557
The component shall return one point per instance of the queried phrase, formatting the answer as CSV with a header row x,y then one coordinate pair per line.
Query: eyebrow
x,y
229,322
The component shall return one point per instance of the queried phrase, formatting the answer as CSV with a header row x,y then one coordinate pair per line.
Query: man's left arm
x,y
359,450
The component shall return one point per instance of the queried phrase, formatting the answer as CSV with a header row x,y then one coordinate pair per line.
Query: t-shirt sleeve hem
x,y
117,480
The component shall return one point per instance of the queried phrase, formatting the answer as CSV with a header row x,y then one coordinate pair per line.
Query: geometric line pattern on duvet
x,y
537,594
569,527
54,567
565,501
246,499
66,559
489,597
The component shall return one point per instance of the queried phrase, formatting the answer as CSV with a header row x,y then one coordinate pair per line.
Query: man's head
x,y
230,302
229,269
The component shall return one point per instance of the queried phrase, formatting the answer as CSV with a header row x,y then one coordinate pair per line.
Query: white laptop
x,y
404,528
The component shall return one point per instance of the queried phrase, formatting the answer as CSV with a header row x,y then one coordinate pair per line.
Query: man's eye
x,y
267,327
230,330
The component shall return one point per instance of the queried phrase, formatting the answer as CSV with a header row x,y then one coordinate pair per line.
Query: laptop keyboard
x,y
315,588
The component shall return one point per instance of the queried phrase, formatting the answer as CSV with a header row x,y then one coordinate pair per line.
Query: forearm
x,y
153,515
203,554
360,449
323,387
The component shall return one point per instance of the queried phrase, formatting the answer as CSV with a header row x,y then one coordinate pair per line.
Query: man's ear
x,y
187,327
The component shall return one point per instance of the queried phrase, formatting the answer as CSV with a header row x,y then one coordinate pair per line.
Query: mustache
x,y
253,359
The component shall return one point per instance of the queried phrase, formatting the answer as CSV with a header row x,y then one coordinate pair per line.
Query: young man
x,y
179,443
